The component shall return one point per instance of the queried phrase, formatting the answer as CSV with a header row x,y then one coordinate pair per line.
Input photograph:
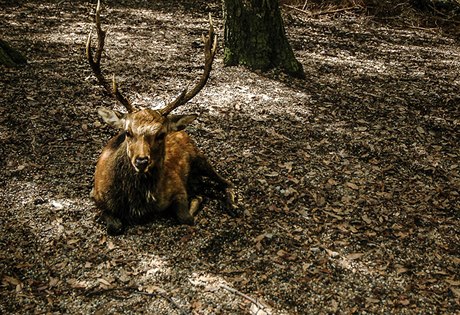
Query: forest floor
x,y
348,181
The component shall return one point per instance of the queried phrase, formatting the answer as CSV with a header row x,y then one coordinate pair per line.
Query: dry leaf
x,y
103,240
334,215
334,306
355,256
331,253
281,253
454,283
404,302
197,305
455,291
72,241
366,219
259,309
372,300
154,289
110,245
21,167
53,282
400,269
11,280
104,282
352,186
57,205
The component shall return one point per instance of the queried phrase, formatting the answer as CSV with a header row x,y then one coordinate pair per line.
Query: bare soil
x,y
348,181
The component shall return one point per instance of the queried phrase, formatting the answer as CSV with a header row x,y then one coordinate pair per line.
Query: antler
x,y
210,48
95,63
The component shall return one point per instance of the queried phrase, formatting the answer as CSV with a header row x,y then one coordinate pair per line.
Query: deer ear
x,y
179,122
111,117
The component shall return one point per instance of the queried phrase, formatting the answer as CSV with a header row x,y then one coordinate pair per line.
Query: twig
x,y
297,9
137,291
247,297
313,14
357,7
305,5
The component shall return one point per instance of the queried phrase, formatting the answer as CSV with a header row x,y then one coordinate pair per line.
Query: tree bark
x,y
9,56
255,37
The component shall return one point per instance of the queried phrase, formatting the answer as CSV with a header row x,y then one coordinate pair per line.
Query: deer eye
x,y
161,136
129,134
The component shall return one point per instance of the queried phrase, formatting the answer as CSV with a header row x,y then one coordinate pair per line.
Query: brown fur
x,y
127,191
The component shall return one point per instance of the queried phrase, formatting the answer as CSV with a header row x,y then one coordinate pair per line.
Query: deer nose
x,y
141,163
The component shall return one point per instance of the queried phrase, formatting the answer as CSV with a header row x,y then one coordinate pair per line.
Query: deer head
x,y
146,129
145,132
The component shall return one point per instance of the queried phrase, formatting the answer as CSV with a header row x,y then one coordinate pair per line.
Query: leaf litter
x,y
348,181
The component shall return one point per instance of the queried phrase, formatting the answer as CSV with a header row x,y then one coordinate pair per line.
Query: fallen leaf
x,y
72,241
455,291
262,236
281,253
334,215
104,282
400,269
53,282
154,289
21,167
454,283
103,240
197,305
404,302
57,204
352,186
355,256
331,253
110,245
366,219
372,300
334,306
11,280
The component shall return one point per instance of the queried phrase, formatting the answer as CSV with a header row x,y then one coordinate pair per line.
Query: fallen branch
x,y
137,291
247,297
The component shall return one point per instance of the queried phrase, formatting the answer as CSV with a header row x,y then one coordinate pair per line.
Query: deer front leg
x,y
114,224
183,213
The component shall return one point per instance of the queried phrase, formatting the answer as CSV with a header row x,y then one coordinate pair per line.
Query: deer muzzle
x,y
141,163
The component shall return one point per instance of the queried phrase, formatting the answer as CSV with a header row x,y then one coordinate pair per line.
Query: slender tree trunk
x,y
255,37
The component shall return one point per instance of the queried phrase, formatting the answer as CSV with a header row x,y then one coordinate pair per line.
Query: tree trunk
x,y
9,56
255,37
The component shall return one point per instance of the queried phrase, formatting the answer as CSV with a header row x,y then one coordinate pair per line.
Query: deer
x,y
149,166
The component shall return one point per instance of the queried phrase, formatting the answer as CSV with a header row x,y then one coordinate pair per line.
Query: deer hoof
x,y
186,218
114,225
231,201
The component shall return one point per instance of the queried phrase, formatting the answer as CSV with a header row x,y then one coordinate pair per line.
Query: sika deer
x,y
147,167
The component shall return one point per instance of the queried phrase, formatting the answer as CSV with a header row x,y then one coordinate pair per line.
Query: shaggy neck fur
x,y
135,193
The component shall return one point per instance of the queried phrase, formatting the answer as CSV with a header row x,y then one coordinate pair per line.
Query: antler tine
x,y
210,48
95,63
